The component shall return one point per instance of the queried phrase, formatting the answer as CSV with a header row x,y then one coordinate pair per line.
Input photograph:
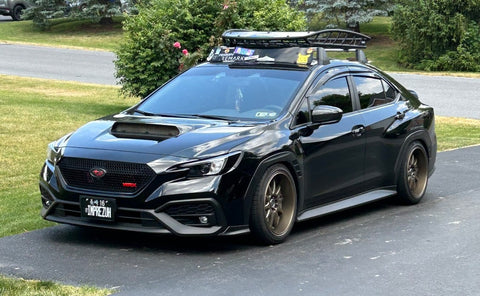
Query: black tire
x,y
17,12
274,206
413,177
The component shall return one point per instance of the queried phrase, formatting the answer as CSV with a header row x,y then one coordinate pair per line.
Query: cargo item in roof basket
x,y
291,55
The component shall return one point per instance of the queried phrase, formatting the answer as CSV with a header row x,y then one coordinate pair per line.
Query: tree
x,y
349,13
438,34
99,11
44,11
155,40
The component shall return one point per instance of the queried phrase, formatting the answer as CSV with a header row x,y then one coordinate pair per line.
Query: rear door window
x,y
371,91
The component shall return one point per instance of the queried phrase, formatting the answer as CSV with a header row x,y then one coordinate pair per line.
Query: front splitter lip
x,y
194,231
167,224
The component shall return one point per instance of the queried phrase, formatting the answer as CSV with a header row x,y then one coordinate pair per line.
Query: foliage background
x,y
441,35
147,58
44,12
345,13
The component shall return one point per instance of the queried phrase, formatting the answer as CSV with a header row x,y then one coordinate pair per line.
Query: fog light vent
x,y
47,199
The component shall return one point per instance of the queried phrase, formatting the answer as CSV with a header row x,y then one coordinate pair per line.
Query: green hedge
x,y
441,35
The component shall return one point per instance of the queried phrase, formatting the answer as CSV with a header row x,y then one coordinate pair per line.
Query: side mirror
x,y
414,93
324,114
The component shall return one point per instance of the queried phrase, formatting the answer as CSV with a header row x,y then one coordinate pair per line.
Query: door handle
x,y
358,130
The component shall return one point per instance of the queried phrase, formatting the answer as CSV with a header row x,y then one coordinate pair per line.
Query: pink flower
x,y
185,52
225,6
177,45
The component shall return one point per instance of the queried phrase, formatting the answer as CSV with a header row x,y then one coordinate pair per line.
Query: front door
x,y
334,154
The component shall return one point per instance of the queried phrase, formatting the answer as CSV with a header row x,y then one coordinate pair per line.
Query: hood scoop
x,y
144,131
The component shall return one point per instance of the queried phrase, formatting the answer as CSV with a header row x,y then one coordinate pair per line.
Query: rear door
x,y
377,105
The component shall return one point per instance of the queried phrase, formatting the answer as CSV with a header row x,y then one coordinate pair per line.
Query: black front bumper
x,y
181,207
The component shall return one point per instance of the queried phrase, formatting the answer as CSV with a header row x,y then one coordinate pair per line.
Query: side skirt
x,y
348,203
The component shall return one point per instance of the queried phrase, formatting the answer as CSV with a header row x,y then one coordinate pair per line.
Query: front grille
x,y
122,177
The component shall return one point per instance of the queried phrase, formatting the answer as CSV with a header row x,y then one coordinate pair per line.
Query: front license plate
x,y
98,208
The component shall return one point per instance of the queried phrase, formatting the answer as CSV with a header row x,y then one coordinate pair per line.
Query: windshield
x,y
225,92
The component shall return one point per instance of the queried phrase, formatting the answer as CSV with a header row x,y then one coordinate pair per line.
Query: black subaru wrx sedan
x,y
267,132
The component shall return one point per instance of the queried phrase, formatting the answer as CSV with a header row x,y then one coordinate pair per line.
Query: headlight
x,y
211,166
54,151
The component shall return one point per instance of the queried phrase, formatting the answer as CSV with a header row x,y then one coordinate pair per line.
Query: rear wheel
x,y
413,176
274,206
17,12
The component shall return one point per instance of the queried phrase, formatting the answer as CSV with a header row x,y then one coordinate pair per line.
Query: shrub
x,y
147,57
438,34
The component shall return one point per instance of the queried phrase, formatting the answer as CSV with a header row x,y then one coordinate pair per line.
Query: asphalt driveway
x,y
379,249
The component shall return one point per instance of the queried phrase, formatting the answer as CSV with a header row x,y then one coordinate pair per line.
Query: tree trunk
x,y
354,26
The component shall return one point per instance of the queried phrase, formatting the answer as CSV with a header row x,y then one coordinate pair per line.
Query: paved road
x,y
57,63
381,249
450,96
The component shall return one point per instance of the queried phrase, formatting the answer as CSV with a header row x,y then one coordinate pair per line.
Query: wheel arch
x,y
423,138
289,160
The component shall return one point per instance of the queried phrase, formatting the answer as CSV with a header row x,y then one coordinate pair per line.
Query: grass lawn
x,y
21,287
81,34
34,113
456,132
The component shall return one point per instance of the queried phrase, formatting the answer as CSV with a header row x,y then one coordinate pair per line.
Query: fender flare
x,y
289,159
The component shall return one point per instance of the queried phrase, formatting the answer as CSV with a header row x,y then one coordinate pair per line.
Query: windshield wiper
x,y
162,115
268,65
145,113
207,116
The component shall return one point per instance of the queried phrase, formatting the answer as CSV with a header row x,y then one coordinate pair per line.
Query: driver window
x,y
335,93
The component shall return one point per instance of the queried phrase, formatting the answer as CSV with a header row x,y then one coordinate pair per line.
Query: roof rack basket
x,y
330,39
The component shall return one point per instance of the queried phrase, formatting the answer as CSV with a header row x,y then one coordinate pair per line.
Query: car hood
x,y
179,137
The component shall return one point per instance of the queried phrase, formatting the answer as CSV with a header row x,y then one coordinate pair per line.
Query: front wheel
x,y
274,206
413,177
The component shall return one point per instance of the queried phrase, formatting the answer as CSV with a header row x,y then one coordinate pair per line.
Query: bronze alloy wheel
x,y
417,174
274,205
279,204
413,176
